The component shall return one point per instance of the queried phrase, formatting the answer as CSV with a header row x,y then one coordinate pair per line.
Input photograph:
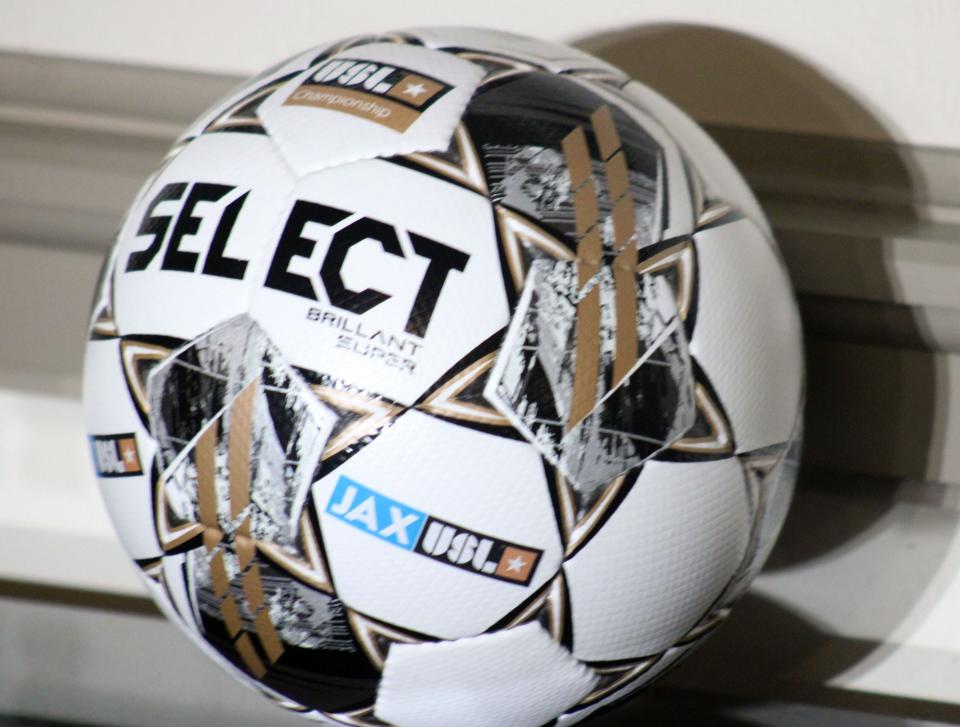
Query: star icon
x,y
516,565
414,89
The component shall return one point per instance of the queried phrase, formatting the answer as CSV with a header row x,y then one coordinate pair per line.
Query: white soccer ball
x,y
445,377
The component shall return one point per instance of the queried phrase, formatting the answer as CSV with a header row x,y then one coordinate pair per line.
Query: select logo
x,y
408,528
115,455
388,95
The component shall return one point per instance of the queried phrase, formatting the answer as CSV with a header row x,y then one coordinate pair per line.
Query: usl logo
x,y
384,94
115,455
408,528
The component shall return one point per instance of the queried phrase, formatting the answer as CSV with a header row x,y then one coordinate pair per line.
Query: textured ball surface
x,y
445,377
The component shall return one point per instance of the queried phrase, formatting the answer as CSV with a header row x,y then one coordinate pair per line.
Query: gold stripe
x,y
244,544
218,574
238,460
231,616
587,361
211,538
249,656
626,302
205,455
608,140
585,207
624,222
578,157
589,254
269,639
253,588
618,178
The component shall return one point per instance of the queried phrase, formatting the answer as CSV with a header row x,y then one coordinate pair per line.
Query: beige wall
x,y
896,58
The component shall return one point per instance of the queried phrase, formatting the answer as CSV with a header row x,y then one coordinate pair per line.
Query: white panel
x,y
485,484
747,336
721,177
372,349
291,65
660,560
319,126
519,677
555,56
110,410
180,303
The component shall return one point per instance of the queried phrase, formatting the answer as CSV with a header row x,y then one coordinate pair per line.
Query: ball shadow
x,y
806,143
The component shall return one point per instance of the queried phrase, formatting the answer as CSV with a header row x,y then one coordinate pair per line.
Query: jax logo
x,y
413,530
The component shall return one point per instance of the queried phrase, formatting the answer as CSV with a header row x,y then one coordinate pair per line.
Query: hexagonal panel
x,y
382,276
438,528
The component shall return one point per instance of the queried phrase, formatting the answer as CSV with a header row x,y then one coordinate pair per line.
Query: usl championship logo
x,y
410,529
388,95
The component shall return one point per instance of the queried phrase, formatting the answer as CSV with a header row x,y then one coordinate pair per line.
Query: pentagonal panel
x,y
517,677
661,559
747,337
379,99
438,528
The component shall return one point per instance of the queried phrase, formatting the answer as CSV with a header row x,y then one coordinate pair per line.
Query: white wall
x,y
897,59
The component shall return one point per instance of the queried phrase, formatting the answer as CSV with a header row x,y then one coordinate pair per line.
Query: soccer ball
x,y
445,377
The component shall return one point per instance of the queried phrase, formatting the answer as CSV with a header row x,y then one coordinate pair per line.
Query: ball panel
x,y
674,183
237,104
448,543
517,677
748,336
382,277
660,560
122,448
771,475
379,99
552,56
663,664
723,180
189,250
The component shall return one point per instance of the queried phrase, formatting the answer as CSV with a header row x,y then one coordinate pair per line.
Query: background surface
x,y
843,116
